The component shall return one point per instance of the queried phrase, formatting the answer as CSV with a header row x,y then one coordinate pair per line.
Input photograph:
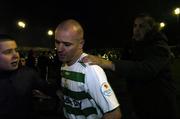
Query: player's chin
x,y
62,59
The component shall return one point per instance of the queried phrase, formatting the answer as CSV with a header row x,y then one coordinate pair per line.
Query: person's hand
x,y
92,60
95,60
40,95
59,94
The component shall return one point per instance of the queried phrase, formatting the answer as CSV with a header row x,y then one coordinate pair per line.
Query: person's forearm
x,y
108,65
112,66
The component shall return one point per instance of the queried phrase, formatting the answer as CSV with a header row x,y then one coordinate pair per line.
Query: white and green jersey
x,y
87,93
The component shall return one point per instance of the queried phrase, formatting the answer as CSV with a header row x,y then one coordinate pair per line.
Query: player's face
x,y
69,48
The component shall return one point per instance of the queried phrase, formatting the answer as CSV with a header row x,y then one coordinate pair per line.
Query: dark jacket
x,y
146,68
16,92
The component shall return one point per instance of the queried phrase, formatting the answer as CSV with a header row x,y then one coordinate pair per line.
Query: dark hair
x,y
6,37
150,20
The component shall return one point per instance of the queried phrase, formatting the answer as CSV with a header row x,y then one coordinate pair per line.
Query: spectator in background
x,y
43,64
32,59
146,69
22,60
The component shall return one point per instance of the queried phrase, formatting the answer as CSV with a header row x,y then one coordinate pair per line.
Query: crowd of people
x,y
81,83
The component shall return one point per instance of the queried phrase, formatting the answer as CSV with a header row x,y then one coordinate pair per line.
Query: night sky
x,y
107,24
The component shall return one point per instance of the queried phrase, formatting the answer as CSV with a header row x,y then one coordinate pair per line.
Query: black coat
x,y
16,92
146,68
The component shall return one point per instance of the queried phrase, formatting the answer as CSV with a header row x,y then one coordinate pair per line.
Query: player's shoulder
x,y
88,65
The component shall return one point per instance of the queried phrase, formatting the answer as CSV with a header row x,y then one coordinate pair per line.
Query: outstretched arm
x,y
105,64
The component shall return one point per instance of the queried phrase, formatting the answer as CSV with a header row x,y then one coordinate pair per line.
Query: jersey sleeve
x,y
99,88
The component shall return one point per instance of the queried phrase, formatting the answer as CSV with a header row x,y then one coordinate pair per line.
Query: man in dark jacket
x,y
146,68
16,83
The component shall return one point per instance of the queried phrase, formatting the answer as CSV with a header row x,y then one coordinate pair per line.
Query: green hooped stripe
x,y
76,95
77,111
75,76
82,63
